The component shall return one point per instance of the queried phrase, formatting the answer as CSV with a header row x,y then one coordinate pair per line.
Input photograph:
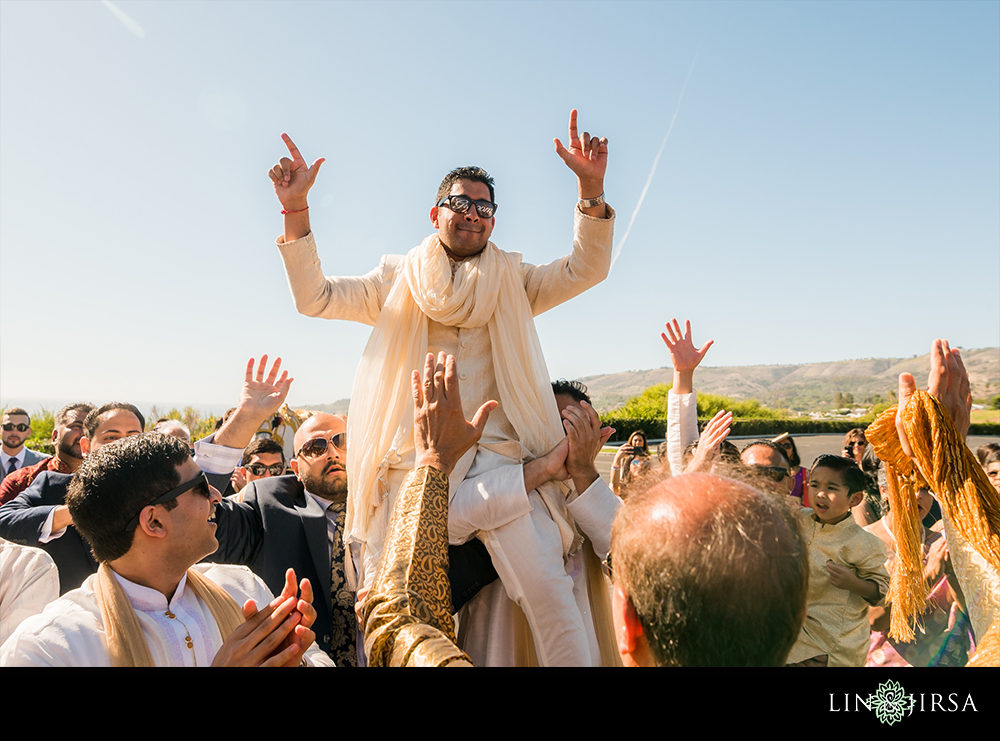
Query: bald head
x,y
714,570
322,469
316,425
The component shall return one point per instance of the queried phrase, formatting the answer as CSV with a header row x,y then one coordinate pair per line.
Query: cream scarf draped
x,y
126,643
486,290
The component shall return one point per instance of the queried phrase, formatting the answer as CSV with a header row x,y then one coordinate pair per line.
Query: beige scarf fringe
x,y
946,466
126,643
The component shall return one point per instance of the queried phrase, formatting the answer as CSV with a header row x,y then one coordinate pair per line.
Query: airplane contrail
x,y
126,20
621,243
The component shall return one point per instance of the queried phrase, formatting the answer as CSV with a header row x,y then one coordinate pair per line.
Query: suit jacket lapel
x,y
314,524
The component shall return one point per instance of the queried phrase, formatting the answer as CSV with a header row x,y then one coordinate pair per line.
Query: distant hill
x,y
804,388
337,407
807,387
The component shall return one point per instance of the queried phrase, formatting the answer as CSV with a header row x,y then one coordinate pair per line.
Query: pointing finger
x,y
573,136
292,149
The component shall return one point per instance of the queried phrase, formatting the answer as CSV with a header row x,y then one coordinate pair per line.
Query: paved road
x,y
810,447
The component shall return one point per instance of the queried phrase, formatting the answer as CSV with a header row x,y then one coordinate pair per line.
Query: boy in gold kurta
x,y
846,569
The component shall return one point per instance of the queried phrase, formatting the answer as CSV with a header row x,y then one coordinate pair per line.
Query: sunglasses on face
x,y
10,427
462,204
199,484
259,469
318,445
775,473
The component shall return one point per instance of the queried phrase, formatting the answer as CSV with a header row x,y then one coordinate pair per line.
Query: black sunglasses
x,y
200,480
21,427
462,204
318,445
775,473
259,469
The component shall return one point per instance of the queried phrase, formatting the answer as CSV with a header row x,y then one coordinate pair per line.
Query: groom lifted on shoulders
x,y
457,293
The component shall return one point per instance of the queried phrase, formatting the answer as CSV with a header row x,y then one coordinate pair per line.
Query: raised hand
x,y
263,396
710,441
683,355
948,382
587,156
441,433
259,399
292,178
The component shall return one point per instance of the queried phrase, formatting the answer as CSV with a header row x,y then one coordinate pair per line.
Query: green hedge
x,y
657,428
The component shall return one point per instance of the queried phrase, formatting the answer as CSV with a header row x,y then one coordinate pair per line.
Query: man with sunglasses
x,y
770,467
298,522
147,512
457,293
262,459
13,454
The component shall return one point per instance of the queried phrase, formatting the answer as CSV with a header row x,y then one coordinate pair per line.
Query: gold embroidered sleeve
x,y
408,618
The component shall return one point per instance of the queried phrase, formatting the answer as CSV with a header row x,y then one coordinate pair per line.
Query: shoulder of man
x,y
49,486
286,491
68,632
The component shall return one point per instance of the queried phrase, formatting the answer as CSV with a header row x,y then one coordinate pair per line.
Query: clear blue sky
x,y
830,189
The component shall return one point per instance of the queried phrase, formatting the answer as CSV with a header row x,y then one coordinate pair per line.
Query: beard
x,y
332,489
71,451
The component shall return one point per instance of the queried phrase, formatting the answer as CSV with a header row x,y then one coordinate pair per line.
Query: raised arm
x,y
682,404
292,179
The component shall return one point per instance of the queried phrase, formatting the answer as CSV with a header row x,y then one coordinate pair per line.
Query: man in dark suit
x,y
298,522
13,454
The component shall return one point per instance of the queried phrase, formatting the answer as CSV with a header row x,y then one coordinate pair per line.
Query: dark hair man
x,y
16,429
147,511
263,458
707,572
769,467
491,333
66,435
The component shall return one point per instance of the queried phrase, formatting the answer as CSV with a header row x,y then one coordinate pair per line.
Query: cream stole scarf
x,y
487,290
126,643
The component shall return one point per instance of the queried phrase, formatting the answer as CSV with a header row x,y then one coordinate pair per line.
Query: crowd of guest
x,y
282,520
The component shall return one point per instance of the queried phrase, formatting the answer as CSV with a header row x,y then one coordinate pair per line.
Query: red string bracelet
x,y
284,212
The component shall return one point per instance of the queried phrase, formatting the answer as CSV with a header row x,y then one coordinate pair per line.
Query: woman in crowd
x,y
798,472
622,469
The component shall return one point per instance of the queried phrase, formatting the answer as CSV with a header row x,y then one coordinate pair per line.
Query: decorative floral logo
x,y
890,702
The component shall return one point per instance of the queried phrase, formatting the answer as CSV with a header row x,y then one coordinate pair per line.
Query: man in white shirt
x,y
147,511
14,456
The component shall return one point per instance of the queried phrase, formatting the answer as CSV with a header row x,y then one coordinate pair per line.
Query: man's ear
x,y
294,465
434,217
629,627
85,444
55,434
150,523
